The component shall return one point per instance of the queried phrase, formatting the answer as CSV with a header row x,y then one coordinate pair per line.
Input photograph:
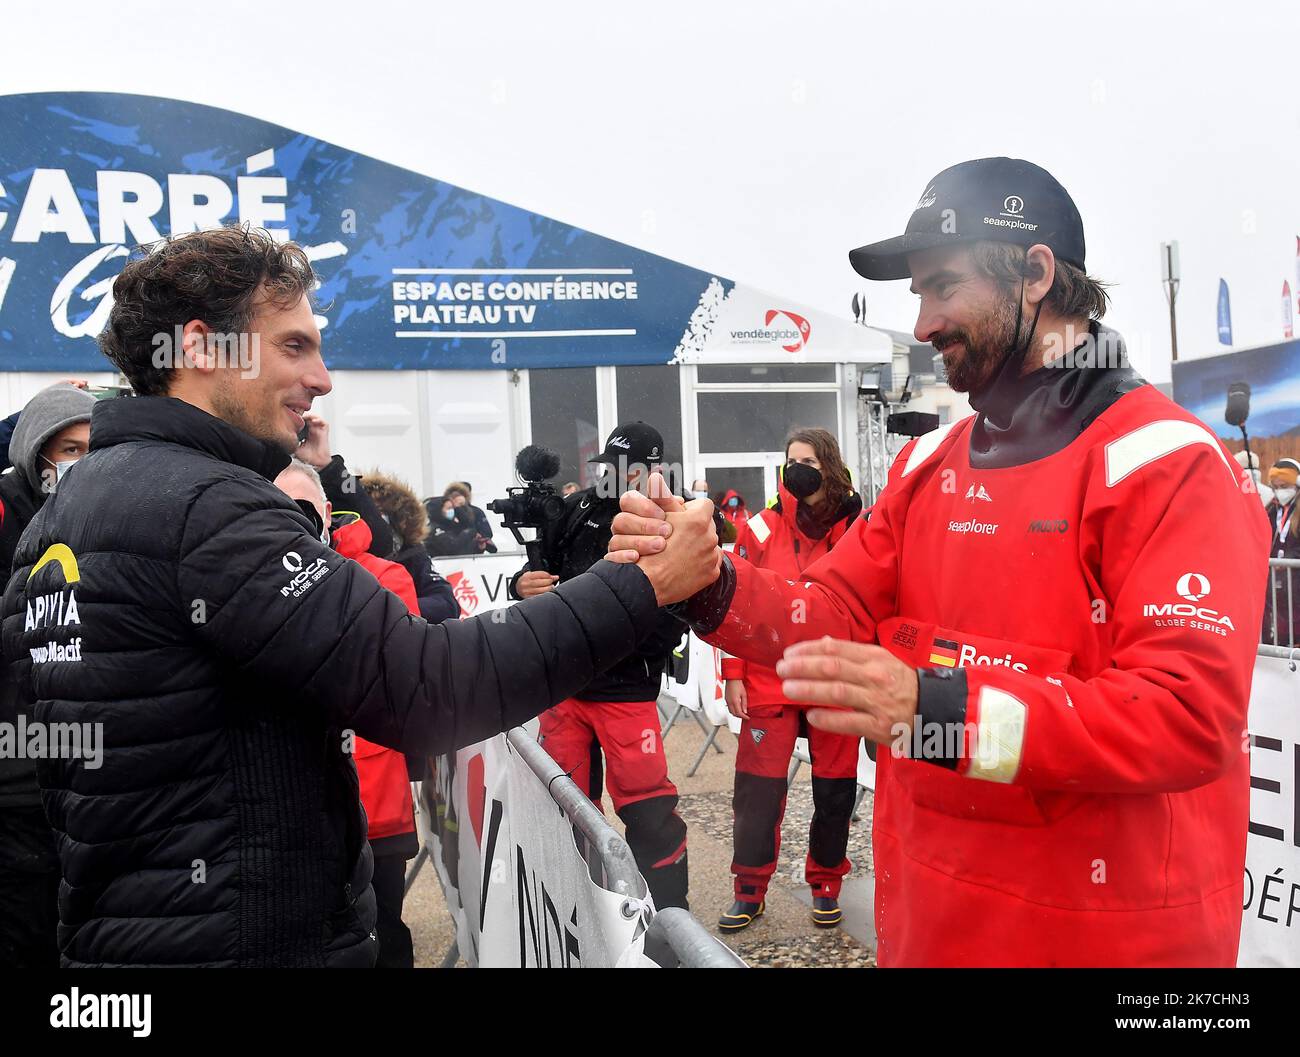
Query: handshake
x,y
673,541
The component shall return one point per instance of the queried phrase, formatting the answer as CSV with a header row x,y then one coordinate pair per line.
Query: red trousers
x,y
762,765
575,733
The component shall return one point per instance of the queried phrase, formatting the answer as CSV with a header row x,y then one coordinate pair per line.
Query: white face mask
x,y
1284,495
61,468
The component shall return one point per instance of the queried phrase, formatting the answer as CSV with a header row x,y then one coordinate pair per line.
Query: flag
x,y
1225,314
944,651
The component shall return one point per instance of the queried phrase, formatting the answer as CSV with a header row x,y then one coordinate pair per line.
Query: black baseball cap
x,y
632,442
985,200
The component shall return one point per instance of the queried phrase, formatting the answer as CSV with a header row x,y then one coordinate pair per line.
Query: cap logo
x,y
928,199
620,442
1012,206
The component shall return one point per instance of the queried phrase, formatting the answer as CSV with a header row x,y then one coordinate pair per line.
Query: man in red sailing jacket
x,y
1034,617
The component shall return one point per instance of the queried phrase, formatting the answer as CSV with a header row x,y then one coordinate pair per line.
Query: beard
x,y
260,424
985,344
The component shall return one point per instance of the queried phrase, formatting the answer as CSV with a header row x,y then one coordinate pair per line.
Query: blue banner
x,y
415,272
1225,314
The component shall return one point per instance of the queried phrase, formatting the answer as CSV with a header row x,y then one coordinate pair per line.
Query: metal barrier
x,y
690,943
674,938
616,861
1279,633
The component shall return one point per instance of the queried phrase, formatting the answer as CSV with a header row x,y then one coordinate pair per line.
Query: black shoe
x,y
741,916
826,912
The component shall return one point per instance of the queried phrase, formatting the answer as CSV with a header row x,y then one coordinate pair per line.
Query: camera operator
x,y
616,712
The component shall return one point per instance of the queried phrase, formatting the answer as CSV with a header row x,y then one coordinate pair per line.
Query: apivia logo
x,y
1013,206
292,561
1193,586
757,734
976,491
928,199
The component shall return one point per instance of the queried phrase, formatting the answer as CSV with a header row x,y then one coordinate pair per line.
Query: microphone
x,y
1238,409
535,463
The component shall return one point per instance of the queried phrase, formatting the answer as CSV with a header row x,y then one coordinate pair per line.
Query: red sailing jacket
x,y
1096,612
385,784
772,539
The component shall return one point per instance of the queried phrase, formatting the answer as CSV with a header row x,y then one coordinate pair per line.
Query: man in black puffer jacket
x,y
170,592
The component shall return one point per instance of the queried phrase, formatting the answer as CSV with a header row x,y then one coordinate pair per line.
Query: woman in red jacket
x,y
815,507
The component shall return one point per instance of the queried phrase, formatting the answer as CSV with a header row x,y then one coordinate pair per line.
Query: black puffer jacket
x,y
225,650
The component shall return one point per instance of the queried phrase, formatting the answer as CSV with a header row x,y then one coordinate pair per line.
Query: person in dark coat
x,y
408,526
451,528
170,593
463,496
50,434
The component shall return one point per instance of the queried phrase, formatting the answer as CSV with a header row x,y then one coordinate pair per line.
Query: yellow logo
x,y
61,553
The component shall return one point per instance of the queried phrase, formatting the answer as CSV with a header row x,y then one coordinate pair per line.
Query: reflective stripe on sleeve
x,y
999,736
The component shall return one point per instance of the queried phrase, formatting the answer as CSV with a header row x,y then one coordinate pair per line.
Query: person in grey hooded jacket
x,y
52,432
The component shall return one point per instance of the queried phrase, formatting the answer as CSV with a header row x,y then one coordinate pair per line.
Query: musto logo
x,y
1194,587
791,338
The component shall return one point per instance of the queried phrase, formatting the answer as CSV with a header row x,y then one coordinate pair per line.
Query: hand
x,y
690,557
736,698
535,582
480,541
80,383
875,692
641,527
315,450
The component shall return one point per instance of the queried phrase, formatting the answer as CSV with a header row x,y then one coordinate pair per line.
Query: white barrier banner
x,y
1270,923
513,869
480,581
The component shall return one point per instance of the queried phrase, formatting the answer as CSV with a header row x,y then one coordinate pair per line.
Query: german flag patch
x,y
944,651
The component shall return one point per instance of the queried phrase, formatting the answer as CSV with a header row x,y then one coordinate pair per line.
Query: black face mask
x,y
313,515
802,480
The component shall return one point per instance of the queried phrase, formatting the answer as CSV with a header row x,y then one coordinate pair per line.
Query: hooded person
x,y
52,433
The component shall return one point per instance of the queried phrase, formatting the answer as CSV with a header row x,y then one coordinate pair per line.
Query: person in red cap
x,y
1033,618
815,507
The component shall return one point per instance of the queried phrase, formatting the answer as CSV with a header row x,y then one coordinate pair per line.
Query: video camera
x,y
534,504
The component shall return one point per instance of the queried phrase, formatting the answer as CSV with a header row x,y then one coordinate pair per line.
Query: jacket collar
x,y
167,420
1026,418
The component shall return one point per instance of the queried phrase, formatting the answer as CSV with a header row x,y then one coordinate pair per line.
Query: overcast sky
x,y
763,140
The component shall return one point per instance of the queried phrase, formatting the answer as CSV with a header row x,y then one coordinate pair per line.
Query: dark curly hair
x,y
404,512
839,485
212,276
